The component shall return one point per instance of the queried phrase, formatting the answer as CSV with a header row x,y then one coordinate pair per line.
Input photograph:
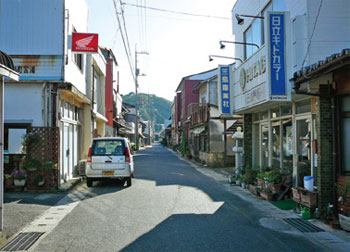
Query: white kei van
x,y
109,158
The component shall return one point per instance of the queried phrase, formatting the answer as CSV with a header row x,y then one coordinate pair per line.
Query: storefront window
x,y
287,110
264,115
253,35
303,107
275,113
345,133
15,139
276,144
265,145
288,146
255,117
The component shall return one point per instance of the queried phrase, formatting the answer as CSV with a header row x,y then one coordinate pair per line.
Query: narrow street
x,y
171,206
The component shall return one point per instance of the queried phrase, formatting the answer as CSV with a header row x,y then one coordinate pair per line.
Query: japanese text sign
x,y
277,54
225,89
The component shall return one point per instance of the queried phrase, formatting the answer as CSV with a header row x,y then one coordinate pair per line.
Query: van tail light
x,y
89,155
127,155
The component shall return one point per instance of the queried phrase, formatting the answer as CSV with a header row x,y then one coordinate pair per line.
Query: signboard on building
x,y
85,42
277,56
224,89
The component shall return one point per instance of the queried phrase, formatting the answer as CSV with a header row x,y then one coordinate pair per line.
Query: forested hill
x,y
151,106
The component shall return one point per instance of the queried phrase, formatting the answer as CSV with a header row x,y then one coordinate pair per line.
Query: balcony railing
x,y
199,113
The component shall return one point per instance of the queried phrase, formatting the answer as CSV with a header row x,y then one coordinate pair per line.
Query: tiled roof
x,y
320,65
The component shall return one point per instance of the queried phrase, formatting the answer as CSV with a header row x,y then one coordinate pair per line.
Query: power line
x,y
175,12
312,34
125,30
124,42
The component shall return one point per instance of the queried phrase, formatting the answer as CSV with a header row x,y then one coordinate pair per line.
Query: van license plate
x,y
108,173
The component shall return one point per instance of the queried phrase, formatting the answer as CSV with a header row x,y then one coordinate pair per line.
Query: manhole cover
x,y
303,225
22,241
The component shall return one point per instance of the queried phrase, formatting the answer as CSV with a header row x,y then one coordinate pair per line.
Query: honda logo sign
x,y
85,42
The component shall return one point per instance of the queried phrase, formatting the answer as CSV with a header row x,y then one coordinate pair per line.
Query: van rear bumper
x,y
104,174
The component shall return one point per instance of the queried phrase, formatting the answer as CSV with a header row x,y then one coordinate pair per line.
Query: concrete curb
x,y
70,184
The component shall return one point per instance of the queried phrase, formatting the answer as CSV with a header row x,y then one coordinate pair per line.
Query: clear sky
x,y
178,45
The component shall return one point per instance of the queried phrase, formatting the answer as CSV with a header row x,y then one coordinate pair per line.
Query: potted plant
x,y
8,180
344,205
19,178
274,179
48,166
29,140
31,164
39,180
267,193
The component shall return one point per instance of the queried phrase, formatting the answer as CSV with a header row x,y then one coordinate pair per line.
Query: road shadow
x,y
234,226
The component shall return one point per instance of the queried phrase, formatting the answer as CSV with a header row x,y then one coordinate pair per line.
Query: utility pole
x,y
137,72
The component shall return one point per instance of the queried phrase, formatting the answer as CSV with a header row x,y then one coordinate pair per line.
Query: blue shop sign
x,y
225,89
277,54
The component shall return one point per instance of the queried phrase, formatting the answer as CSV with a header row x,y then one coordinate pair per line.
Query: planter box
x,y
305,197
267,196
296,195
260,182
21,182
253,189
344,222
276,188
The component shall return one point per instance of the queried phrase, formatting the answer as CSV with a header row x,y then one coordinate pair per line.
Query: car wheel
x,y
128,181
88,182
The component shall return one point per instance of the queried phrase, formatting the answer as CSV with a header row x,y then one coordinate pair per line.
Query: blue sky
x,y
178,45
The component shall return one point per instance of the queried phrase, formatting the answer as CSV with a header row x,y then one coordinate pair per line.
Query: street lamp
x,y
137,73
222,46
240,20
219,56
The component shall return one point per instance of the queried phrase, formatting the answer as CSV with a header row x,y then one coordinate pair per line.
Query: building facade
x,y
56,85
280,125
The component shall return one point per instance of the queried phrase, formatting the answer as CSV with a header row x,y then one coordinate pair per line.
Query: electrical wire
x,y
124,42
125,30
175,12
312,34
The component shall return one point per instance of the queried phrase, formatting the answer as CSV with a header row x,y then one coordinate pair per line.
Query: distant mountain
x,y
151,106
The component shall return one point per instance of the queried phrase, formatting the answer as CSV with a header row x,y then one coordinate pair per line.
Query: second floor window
x,y
254,34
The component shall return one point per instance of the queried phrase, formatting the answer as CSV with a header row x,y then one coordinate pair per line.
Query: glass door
x,y
264,147
304,149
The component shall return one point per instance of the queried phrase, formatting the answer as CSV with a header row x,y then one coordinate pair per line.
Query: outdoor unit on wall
x,y
82,167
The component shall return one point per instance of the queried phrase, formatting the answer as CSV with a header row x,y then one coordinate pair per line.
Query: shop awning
x,y
100,117
198,130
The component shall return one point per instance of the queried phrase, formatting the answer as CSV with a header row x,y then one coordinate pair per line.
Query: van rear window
x,y
108,147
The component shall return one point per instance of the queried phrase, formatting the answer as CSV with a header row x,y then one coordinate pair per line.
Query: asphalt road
x,y
171,206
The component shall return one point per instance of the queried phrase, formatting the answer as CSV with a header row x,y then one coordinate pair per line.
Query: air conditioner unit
x,y
82,167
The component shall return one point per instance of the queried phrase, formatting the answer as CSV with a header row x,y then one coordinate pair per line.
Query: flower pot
x,y
21,182
41,183
276,188
253,189
344,222
8,182
261,182
267,196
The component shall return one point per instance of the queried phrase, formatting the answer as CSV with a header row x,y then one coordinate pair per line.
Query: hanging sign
x,y
224,85
85,42
277,53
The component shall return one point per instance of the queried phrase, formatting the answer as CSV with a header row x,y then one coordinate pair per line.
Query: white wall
x,y
78,18
23,102
332,33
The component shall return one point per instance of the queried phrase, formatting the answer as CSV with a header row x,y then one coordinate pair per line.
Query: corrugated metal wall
x,y
36,30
